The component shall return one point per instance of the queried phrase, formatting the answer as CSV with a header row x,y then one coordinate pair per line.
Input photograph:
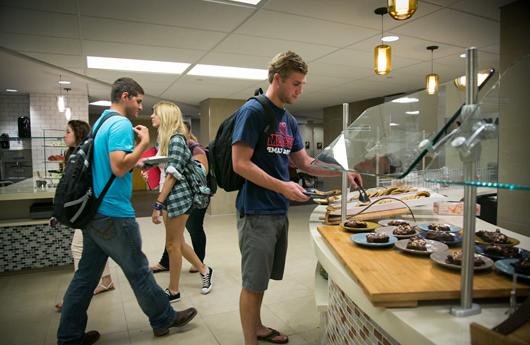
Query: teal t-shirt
x,y
116,134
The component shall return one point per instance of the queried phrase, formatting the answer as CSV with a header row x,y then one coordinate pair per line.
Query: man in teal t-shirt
x,y
114,231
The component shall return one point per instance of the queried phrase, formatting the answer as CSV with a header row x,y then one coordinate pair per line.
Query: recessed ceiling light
x,y
251,2
102,103
229,72
64,82
413,112
404,100
11,90
233,2
389,38
136,65
393,124
463,55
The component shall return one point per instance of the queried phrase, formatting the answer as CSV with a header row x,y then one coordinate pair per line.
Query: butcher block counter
x,y
386,296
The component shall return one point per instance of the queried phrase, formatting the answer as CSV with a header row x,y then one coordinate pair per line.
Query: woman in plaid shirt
x,y
174,203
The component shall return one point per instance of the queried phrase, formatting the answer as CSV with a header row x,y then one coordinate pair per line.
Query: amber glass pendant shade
x,y
382,59
432,81
402,9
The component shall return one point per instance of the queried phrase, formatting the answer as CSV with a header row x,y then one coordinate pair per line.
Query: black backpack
x,y
220,149
75,204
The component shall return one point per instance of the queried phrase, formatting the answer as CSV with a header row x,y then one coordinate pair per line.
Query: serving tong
x,y
363,196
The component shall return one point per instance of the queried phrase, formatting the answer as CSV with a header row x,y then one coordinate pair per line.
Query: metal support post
x,y
344,198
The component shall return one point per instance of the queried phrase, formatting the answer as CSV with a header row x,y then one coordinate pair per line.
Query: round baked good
x,y
504,251
397,222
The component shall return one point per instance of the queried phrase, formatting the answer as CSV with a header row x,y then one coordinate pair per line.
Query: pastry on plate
x,y
493,236
417,243
404,230
352,223
522,266
439,227
455,258
442,236
377,237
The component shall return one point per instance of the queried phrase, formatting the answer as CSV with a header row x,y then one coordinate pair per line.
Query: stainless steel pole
x,y
344,198
467,307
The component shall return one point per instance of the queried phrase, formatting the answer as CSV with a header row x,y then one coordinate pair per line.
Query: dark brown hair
x,y
81,130
285,63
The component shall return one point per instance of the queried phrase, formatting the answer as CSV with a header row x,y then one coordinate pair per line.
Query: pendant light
x,y
67,110
402,9
382,52
432,80
60,98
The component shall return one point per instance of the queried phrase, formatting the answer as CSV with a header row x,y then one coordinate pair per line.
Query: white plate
x,y
441,257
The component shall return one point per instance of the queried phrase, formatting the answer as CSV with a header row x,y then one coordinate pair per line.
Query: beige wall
x,y
213,112
514,141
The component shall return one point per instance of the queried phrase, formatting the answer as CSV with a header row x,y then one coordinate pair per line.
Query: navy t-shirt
x,y
271,154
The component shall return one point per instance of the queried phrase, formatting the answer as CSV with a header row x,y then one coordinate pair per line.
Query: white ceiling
x,y
42,39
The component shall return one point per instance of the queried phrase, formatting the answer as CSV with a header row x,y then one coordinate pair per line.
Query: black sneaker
x,y
173,298
207,281
90,337
182,318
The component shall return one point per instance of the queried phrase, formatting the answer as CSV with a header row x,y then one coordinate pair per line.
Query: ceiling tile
x,y
295,28
147,34
63,6
40,44
236,60
13,20
135,51
484,8
64,61
450,26
268,47
183,13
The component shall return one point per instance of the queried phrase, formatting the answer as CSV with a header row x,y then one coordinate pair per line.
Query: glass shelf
x,y
428,134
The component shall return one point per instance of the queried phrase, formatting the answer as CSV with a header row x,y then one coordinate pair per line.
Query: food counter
x,y
27,242
351,317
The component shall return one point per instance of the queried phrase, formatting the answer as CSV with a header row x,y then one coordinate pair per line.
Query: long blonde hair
x,y
171,123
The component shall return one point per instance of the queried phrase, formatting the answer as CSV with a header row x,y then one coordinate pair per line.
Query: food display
x,y
417,243
522,266
398,222
442,236
439,227
455,258
56,158
352,223
493,236
377,237
404,229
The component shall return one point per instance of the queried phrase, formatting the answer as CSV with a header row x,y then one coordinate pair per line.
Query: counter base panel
x,y
34,246
346,323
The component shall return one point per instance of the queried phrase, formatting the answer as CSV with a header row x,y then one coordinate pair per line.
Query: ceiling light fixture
x,y
65,82
402,9
432,80
382,52
463,55
229,72
413,112
67,110
11,90
389,38
405,100
60,98
101,103
119,64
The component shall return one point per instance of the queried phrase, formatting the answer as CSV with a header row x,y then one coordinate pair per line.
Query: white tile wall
x,y
11,108
47,121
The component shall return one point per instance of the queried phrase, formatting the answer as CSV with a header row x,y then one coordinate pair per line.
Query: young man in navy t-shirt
x,y
263,200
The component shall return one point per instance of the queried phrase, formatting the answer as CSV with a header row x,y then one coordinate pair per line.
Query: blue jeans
x,y
118,238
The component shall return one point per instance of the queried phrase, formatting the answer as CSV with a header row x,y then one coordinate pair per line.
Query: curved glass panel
x,y
384,140
477,138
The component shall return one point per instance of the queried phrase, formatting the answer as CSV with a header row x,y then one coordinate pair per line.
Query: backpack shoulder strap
x,y
272,123
105,118
112,177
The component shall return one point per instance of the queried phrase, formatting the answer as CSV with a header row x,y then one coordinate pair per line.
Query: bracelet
x,y
158,206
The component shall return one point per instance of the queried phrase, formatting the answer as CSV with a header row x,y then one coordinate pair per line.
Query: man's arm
x,y
303,162
241,161
122,162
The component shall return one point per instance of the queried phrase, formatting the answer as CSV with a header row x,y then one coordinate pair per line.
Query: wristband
x,y
158,206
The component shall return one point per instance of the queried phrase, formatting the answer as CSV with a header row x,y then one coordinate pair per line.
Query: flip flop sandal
x,y
158,268
273,334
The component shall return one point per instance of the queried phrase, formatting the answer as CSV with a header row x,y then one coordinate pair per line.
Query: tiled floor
x,y
28,317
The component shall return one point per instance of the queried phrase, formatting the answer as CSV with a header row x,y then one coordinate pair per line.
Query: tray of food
x,y
420,246
315,193
453,260
374,239
384,202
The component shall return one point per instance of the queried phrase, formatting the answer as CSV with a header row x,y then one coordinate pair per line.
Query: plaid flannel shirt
x,y
179,199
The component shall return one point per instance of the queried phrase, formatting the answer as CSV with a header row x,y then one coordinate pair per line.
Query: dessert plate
x,y
370,226
452,228
432,246
441,257
360,239
385,222
389,230
457,238
505,266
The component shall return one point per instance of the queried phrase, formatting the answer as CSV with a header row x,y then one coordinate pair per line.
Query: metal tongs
x,y
363,196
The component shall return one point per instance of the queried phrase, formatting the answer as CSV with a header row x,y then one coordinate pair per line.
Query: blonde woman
x,y
174,203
